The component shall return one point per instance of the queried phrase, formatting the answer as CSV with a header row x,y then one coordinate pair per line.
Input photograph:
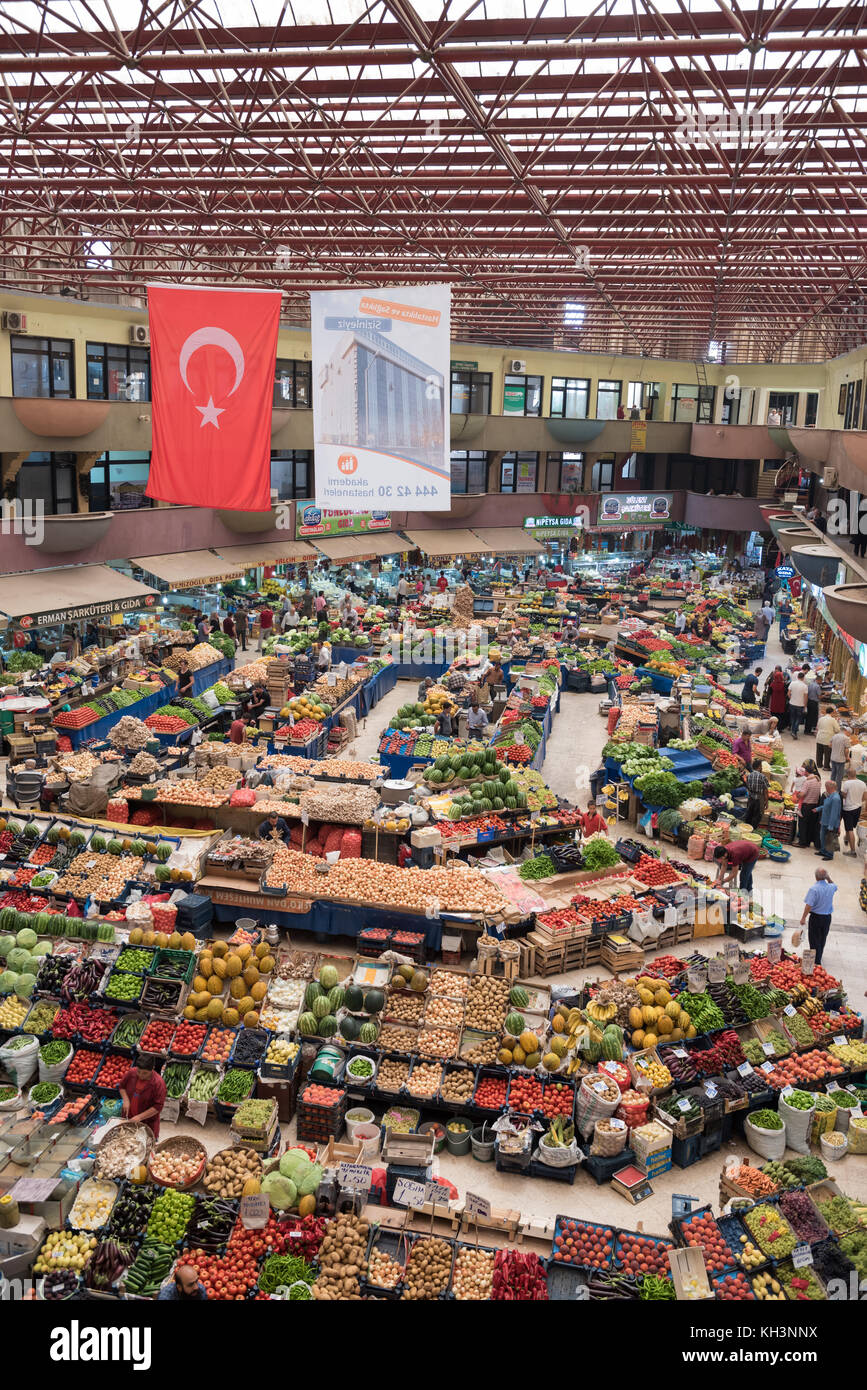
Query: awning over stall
x,y
189,568
268,553
509,540
456,542
365,545
43,598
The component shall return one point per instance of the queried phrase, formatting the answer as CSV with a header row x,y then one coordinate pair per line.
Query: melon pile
x,y
230,984
322,999
658,1017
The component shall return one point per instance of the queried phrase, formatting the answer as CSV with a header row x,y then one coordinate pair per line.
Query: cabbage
x,y
282,1192
7,982
294,1164
25,985
310,1183
26,938
6,945
42,948
18,959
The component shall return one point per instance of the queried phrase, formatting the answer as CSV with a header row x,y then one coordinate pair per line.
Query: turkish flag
x,y
212,383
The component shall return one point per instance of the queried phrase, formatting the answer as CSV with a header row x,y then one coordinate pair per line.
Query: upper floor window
x,y
522,395
469,470
292,473
292,383
471,393
608,400
782,407
518,472
570,397
116,372
43,367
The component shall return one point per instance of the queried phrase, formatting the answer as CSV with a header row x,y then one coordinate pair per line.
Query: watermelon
x,y
612,1043
336,997
163,852
307,1023
114,846
8,919
31,831
518,997
353,999
374,1001
369,1033
53,836
311,994
327,1026
505,775
349,1028
514,1024
320,1006
328,977
434,777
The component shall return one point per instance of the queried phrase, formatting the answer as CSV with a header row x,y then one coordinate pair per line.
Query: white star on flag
x,y
210,413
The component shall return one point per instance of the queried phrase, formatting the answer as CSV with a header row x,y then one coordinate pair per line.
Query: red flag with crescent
x,y
212,384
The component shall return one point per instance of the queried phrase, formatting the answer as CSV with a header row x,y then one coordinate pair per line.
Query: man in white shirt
x,y
797,703
679,621
402,587
839,754
291,618
857,758
826,728
853,792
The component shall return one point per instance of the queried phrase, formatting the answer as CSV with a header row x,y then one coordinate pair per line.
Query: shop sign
x,y
316,521
638,436
464,366
554,527
87,610
784,572
628,510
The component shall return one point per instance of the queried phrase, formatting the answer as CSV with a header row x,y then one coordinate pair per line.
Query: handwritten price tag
x,y
475,1205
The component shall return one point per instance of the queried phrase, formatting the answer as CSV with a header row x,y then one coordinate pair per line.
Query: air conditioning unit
x,y
14,322
138,334
517,365
830,478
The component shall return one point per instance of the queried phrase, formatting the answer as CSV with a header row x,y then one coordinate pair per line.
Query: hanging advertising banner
x,y
638,436
313,521
212,368
631,511
380,398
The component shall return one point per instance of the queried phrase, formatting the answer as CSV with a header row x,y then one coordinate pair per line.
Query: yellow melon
x,y
244,952
558,1023
258,991
636,1017
646,996
231,1018
135,936
638,1038
251,1019
529,1042
519,1056
245,1005
665,1025
200,983
675,1035
215,985
200,999
266,965
201,1015
219,968
261,950
673,1010
215,1010
149,938
662,997
237,988
307,1205
233,966
650,1040
189,1011
206,966
188,941
250,976
220,948
647,1014
162,940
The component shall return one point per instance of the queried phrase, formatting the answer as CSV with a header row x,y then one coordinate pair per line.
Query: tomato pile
x,y
300,732
27,902
525,1094
642,1254
515,753
157,1036
490,821
702,1231
667,966
230,1276
491,1093
188,1038
787,973
83,1067
42,854
584,1243
558,1098
561,918
75,718
654,872
114,1068
723,758
592,908
271,1240
166,723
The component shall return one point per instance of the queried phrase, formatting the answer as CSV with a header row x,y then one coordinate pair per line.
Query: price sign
x,y
787,1090
802,1255
839,1039
475,1205
745,1069
774,951
305,818
740,972
696,980
679,1052
438,1194
355,1175
769,1049
789,1010
197,1110
518,738
255,1210
600,1086
730,951
716,971
711,1090
409,1194
808,962
684,1104
767,1068
331,678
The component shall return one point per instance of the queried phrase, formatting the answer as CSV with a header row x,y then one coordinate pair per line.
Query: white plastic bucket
x,y
371,1138
355,1118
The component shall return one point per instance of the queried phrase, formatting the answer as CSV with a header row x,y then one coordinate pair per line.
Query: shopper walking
x,y
757,795
814,695
807,788
776,688
839,753
818,907
826,728
241,627
830,815
229,627
797,703
785,616
748,693
853,792
266,623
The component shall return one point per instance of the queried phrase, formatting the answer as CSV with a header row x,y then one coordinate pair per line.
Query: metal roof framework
x,y
664,178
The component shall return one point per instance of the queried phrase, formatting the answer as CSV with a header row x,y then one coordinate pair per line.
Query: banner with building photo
x,y
381,398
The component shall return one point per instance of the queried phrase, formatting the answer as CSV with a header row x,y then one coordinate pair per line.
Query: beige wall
x,y
103,323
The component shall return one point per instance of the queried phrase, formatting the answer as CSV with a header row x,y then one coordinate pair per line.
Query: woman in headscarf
x,y
777,697
807,789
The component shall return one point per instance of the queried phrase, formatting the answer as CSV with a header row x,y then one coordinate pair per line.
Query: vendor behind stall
x,y
592,823
274,827
258,701
185,678
143,1094
237,731
737,857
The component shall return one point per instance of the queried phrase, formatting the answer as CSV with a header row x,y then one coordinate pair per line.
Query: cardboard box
x,y
688,1265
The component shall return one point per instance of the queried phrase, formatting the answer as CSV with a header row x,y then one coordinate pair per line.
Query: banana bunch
x,y
809,1007
600,1013
799,994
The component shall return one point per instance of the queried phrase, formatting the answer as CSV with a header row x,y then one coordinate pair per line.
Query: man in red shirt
x,y
236,731
592,823
442,583
266,622
143,1093
737,855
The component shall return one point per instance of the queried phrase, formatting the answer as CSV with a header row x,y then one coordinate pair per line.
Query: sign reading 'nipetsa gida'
x,y
381,398
212,373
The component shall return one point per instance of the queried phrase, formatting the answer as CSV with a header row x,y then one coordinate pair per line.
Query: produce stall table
x,y
100,728
209,675
377,687
661,684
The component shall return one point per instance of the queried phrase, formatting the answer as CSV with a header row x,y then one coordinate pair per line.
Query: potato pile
x,y
428,1270
228,1170
392,1074
486,1003
342,1260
